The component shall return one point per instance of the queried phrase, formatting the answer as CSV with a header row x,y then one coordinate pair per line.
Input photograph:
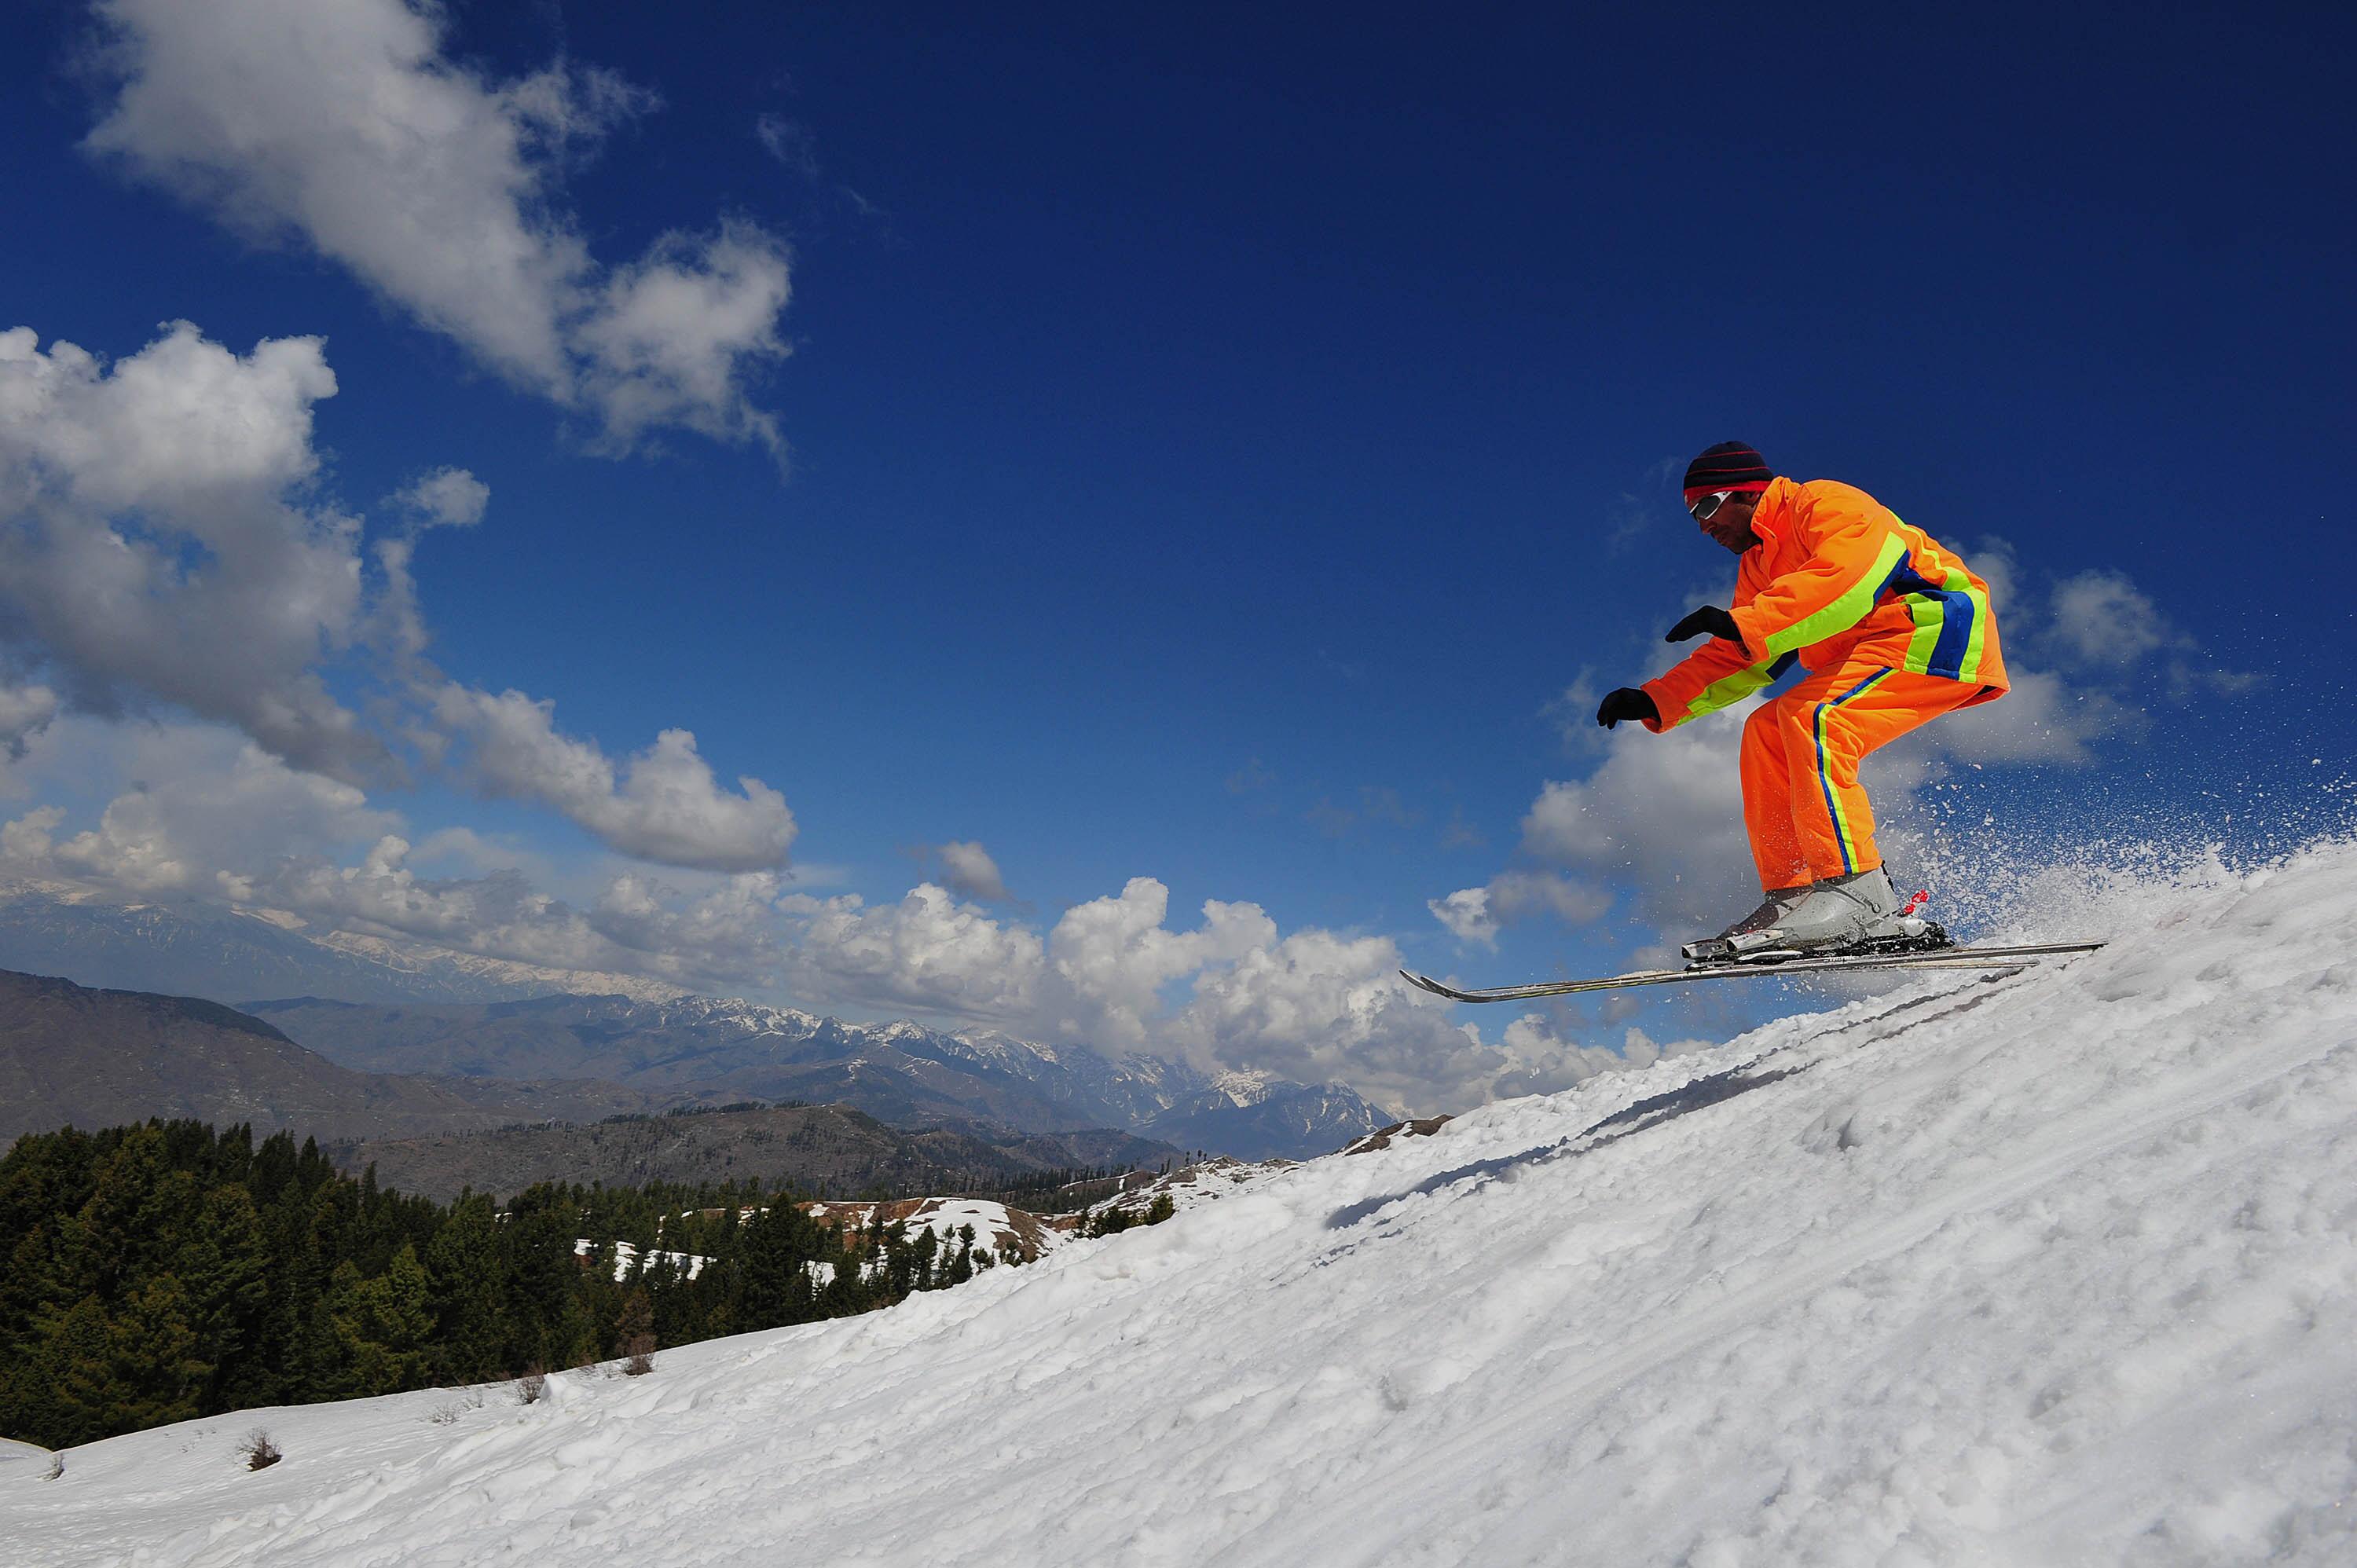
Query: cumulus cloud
x,y
1477,914
152,547
1466,914
1662,817
970,873
447,498
1321,1006
664,803
205,806
163,546
2104,618
1110,958
343,124
2044,718
1540,1061
1114,974
928,951
207,814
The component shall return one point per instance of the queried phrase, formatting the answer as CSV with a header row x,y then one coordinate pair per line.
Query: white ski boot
x,y
1858,913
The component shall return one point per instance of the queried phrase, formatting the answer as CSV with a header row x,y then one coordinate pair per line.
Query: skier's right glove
x,y
1628,703
1709,619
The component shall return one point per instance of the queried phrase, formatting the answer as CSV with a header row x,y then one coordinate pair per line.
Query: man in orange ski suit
x,y
1893,631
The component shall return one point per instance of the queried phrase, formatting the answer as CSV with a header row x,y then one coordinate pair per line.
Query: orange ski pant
x,y
1807,817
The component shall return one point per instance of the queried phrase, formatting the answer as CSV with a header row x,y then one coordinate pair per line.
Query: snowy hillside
x,y
2060,1268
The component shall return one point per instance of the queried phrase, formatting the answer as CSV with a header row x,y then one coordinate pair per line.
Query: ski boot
x,y
1844,916
1720,949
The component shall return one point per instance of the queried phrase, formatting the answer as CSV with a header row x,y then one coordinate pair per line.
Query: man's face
x,y
1730,522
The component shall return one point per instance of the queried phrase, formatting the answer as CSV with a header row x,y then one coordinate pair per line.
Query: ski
x,y
2007,957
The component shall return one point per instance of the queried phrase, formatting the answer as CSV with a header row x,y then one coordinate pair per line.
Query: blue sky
x,y
1204,448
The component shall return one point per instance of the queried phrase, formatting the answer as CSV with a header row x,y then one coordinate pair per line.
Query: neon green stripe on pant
x,y
1959,581
1842,834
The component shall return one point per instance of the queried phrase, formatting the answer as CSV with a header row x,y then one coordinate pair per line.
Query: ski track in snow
x,y
2060,1268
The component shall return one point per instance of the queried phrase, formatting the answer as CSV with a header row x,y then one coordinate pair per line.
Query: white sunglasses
x,y
1707,507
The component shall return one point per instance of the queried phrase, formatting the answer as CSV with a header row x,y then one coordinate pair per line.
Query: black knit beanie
x,y
1730,466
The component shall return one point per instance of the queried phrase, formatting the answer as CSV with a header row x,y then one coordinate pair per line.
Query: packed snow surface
x,y
2056,1269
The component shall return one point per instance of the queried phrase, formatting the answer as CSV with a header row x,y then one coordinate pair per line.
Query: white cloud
x,y
731,930
160,546
2104,618
344,123
1539,1061
25,712
676,336
220,820
204,809
149,548
1519,895
970,873
447,498
928,952
1321,1006
1466,913
1663,817
666,805
2044,718
1110,959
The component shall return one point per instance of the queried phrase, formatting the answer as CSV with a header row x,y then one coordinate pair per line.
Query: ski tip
x,y
1426,983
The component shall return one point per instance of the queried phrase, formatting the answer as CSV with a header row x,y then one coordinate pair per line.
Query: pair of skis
x,y
2006,959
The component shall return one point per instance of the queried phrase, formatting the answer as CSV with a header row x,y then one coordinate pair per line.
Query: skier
x,y
1893,631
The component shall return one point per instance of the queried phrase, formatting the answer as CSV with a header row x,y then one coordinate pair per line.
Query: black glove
x,y
1709,619
1628,703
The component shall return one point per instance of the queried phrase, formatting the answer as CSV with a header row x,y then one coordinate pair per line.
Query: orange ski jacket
x,y
1837,575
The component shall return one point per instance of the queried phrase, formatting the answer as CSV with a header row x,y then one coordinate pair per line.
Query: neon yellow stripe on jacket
x,y
1730,688
1853,606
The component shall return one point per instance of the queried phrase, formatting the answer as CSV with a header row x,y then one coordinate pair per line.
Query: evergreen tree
x,y
155,1372
384,1326
75,1380
220,1266
468,1289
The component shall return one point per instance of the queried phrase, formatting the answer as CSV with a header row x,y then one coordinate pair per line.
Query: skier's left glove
x,y
1628,703
1709,619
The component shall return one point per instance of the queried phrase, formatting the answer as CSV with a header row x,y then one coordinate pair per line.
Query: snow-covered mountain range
x,y
2056,1268
902,1073
376,1004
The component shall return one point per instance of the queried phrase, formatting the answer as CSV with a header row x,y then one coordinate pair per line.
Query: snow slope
x,y
2058,1269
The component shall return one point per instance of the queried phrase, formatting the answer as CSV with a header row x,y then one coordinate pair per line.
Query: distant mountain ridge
x,y
816,1149
902,1073
526,1022
70,1053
